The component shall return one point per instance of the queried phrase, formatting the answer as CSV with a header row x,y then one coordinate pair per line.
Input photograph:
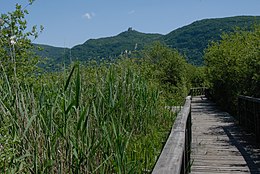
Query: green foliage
x,y
100,119
16,57
53,58
233,66
197,76
169,69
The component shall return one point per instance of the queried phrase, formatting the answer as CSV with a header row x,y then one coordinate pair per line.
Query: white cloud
x,y
88,15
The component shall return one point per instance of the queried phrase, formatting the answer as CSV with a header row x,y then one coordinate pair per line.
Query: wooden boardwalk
x,y
218,144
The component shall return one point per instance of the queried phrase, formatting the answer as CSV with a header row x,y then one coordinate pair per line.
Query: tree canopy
x,y
15,43
233,66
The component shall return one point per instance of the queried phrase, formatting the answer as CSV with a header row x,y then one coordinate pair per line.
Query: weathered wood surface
x,y
175,154
218,144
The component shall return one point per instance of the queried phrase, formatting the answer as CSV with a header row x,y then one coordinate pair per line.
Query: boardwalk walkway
x,y
218,144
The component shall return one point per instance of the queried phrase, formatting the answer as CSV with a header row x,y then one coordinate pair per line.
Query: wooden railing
x,y
175,156
198,91
249,114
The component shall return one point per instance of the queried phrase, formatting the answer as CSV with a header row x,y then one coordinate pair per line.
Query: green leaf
x,y
77,98
69,107
29,124
68,80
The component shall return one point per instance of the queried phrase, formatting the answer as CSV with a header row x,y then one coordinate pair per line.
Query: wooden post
x,y
249,117
257,115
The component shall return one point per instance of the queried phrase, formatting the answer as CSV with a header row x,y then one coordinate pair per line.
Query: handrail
x,y
198,91
249,114
175,156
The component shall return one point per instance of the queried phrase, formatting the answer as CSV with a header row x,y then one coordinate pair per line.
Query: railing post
x,y
189,140
249,117
257,116
187,149
240,111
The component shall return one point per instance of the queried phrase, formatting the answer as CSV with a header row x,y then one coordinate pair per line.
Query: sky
x,y
71,22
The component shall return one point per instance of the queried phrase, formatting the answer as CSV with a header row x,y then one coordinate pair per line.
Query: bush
x,y
233,66
168,69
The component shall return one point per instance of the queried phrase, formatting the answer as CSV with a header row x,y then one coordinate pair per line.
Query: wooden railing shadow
x,y
248,152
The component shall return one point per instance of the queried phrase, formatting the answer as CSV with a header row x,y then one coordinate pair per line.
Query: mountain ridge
x,y
113,46
190,40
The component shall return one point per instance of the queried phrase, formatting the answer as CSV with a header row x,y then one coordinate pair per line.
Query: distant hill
x,y
190,40
53,56
113,46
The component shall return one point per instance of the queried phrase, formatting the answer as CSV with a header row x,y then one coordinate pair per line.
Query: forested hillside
x,y
112,47
53,56
190,40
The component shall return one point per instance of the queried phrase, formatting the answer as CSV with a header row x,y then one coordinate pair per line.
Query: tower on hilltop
x,y
130,29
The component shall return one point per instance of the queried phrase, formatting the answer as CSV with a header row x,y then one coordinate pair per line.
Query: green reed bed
x,y
96,119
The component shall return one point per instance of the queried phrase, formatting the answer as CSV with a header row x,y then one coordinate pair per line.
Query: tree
x,y
233,66
16,56
169,69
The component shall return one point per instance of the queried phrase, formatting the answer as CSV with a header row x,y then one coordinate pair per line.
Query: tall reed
x,y
99,119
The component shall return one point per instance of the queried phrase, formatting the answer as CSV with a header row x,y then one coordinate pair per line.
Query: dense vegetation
x,y
102,117
106,116
233,66
17,56
190,40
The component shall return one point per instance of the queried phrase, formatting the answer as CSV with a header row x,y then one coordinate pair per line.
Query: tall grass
x,y
99,119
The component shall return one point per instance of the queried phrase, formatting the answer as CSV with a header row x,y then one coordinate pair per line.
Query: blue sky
x,y
71,22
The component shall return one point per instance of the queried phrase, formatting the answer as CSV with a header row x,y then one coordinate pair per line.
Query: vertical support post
x,y
189,139
257,116
249,114
240,109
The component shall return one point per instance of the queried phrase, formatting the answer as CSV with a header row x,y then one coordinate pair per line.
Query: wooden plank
x,y
219,145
